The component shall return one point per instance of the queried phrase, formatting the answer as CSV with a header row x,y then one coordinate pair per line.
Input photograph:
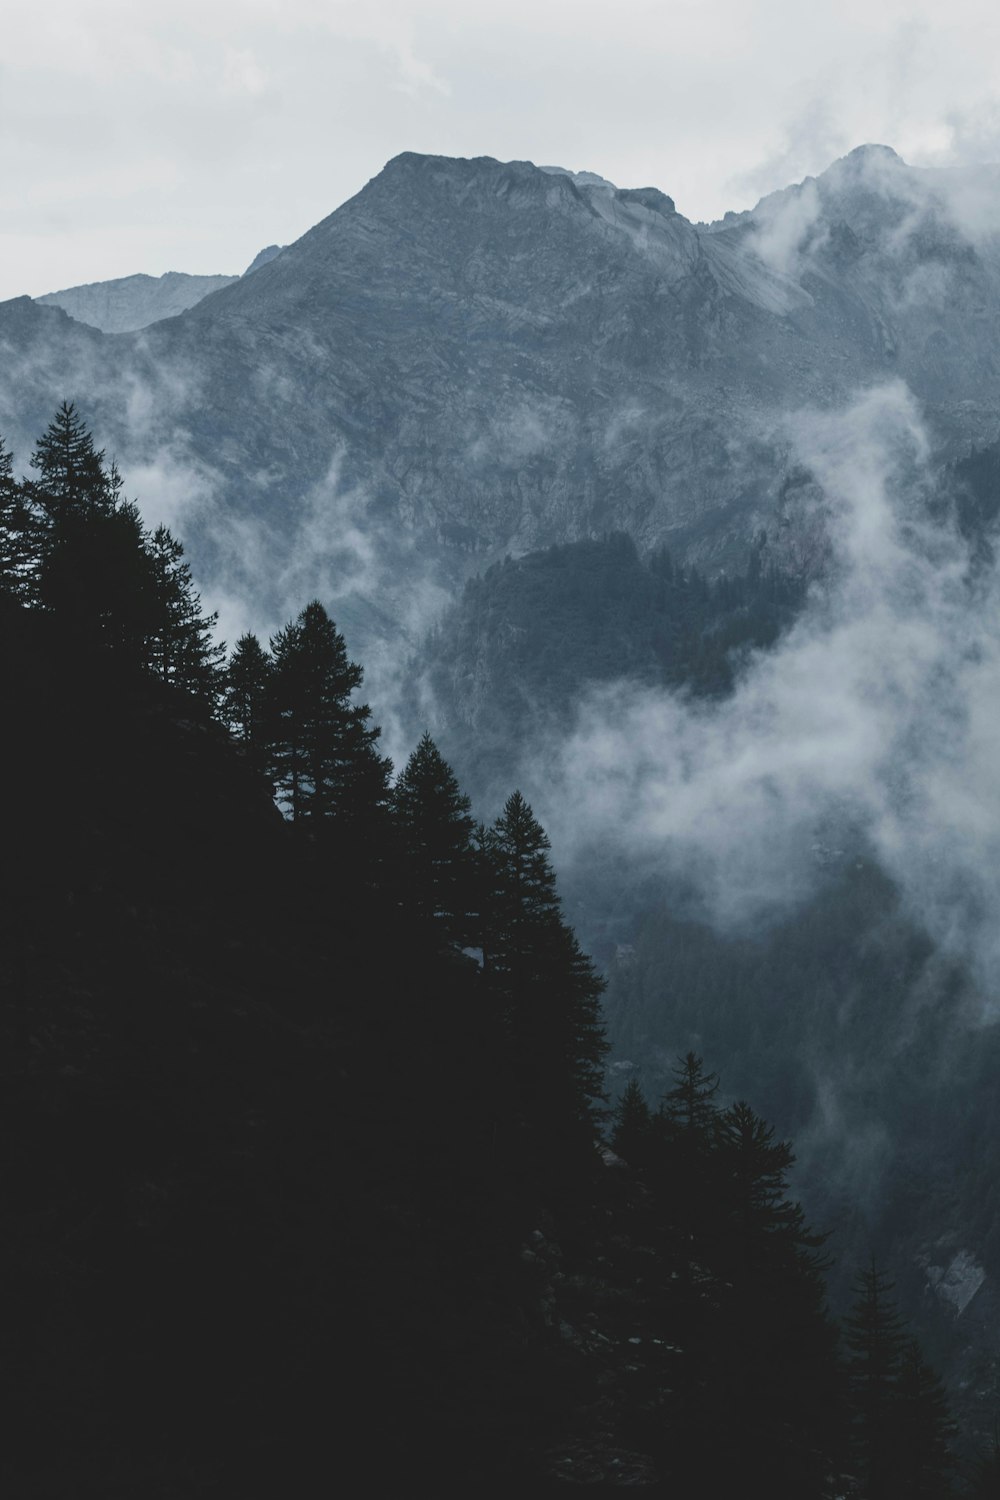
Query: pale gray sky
x,y
185,137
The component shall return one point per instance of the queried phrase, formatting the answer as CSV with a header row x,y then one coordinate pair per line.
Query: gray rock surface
x,y
133,302
473,357
262,257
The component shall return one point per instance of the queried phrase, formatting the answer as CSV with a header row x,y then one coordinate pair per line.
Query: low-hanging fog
x,y
877,719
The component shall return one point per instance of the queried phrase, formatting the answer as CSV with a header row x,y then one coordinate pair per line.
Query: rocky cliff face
x,y
133,302
475,357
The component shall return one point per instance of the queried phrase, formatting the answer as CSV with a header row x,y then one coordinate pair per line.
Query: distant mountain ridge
x,y
473,357
129,303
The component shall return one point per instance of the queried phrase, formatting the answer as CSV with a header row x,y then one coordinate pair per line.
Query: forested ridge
x,y
308,1167
508,663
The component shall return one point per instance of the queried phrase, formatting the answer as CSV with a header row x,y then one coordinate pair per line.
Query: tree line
x,y
745,1324
76,556
674,1291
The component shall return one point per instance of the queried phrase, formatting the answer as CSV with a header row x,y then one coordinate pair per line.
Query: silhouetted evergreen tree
x,y
632,1136
774,1370
875,1341
19,536
440,871
244,704
925,1431
73,480
321,744
182,649
544,989
94,569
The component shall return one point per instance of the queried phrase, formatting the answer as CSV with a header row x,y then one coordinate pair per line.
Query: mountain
x,y
262,257
472,357
133,302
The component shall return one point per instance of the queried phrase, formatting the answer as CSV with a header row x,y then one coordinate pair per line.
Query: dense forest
x,y
508,663
309,1166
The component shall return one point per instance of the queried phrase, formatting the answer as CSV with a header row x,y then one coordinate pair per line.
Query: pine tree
x,y
19,536
247,678
321,744
94,569
925,1430
875,1340
632,1137
544,988
182,648
435,829
688,1106
774,1370
73,481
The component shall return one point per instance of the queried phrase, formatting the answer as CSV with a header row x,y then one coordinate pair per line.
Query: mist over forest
x,y
508,915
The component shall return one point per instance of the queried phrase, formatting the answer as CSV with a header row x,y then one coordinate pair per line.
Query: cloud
x,y
786,228
877,719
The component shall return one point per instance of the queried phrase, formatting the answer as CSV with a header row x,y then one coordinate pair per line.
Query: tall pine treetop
x,y
322,744
72,476
435,831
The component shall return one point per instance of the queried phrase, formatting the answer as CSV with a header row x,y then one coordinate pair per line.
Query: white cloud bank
x,y
879,713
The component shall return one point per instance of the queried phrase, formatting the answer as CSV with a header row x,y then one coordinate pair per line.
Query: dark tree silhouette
x,y
19,536
774,1369
545,990
182,649
875,1341
73,480
925,1430
94,570
632,1136
246,682
439,867
321,744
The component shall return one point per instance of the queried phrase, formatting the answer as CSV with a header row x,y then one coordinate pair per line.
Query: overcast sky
x,y
186,136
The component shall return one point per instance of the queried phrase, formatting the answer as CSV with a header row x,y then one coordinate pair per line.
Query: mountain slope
x,y
133,302
473,357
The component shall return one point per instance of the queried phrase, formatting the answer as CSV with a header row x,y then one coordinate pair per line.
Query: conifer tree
x,y
546,990
247,678
688,1106
182,649
875,1340
321,744
435,830
925,1430
19,536
73,481
94,568
774,1370
632,1137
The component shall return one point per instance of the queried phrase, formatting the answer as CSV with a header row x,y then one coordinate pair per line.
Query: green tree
x,y
435,830
321,744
